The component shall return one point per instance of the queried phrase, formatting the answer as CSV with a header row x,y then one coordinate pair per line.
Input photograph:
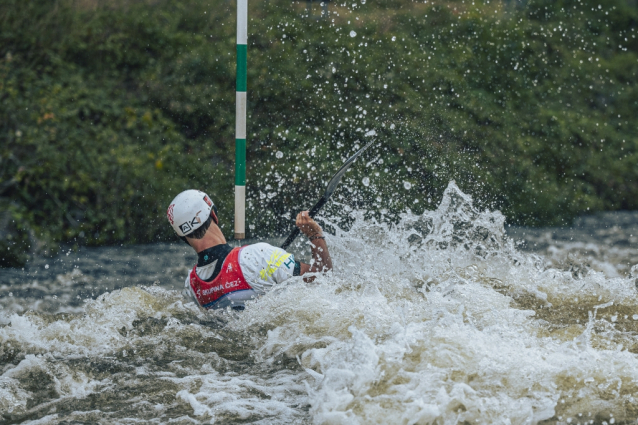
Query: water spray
x,y
332,185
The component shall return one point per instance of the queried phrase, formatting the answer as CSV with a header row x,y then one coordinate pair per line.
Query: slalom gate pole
x,y
240,121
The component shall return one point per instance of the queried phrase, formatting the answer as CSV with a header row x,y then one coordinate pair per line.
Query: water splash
x,y
440,318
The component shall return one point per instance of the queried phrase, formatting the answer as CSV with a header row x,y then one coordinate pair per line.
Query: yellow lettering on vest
x,y
277,258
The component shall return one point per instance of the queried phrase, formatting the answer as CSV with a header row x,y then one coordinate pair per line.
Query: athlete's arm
x,y
320,255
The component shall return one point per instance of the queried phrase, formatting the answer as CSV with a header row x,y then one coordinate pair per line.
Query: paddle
x,y
332,185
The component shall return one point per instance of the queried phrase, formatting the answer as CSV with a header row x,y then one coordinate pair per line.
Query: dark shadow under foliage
x,y
110,108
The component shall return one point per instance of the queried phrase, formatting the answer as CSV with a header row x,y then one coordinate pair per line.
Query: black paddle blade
x,y
334,181
332,185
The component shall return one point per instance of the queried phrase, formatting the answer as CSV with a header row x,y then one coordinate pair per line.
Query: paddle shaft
x,y
332,185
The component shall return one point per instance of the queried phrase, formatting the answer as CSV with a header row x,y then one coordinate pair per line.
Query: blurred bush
x,y
110,108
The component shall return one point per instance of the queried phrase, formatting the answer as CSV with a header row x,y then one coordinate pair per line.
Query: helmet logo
x,y
196,219
185,228
208,201
169,213
188,226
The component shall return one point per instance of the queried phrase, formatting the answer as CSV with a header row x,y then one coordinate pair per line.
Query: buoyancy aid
x,y
229,280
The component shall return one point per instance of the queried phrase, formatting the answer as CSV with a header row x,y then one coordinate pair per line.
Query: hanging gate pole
x,y
240,121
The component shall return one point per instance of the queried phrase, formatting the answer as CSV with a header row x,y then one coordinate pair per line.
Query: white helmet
x,y
189,211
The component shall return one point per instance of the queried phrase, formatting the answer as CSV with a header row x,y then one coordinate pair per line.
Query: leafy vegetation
x,y
111,108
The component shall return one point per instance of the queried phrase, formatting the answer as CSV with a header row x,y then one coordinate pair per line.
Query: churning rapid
x,y
440,319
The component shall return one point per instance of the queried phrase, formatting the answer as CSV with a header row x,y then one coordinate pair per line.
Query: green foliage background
x,y
108,109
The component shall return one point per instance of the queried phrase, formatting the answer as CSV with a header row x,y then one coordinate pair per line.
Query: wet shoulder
x,y
263,264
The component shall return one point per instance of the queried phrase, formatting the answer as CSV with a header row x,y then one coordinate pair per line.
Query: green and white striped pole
x,y
240,121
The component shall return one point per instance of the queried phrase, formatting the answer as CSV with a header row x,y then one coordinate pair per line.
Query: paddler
x,y
226,276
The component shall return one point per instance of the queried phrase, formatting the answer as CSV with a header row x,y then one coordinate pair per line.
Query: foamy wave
x,y
438,318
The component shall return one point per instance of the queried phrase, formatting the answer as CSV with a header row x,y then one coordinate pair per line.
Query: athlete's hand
x,y
307,225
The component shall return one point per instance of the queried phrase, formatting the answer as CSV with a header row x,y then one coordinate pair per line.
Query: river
x,y
447,317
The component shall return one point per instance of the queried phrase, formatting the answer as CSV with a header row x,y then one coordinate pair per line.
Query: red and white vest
x,y
229,280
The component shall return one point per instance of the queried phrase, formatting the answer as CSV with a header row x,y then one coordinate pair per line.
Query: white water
x,y
439,319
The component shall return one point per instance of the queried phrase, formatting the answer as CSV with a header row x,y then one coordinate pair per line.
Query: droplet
x,y
366,181
635,317
46,266
279,154
353,34
407,185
